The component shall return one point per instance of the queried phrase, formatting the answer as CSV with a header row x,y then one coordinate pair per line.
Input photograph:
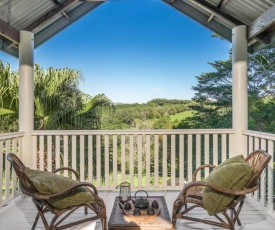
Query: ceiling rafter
x,y
227,18
48,16
9,32
216,12
65,15
221,4
262,23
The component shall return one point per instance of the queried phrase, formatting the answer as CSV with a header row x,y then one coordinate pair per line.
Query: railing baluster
x,y
173,161
230,146
181,163
131,167
14,150
164,162
115,179
256,143
140,161
41,153
82,158
148,163
224,142
57,152
7,172
66,154
98,160
156,161
270,171
206,154
198,155
215,149
263,177
50,153
190,157
90,159
34,152
74,155
107,160
123,161
250,144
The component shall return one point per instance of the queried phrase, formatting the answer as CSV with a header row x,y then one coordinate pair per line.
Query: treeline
x,y
154,114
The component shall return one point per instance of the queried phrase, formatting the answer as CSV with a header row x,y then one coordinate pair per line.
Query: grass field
x,y
181,116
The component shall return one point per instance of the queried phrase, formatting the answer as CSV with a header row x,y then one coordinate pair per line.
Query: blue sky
x,y
133,51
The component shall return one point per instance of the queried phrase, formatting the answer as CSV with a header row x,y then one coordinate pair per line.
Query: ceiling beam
x,y
261,23
227,18
186,8
62,22
216,12
48,16
9,32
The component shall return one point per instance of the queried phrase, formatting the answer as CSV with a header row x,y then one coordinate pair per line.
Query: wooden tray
x,y
144,215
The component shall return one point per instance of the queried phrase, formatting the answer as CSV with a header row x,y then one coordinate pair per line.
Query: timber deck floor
x,y
20,212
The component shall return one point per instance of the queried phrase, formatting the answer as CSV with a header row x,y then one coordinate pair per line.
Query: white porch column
x,y
26,94
239,88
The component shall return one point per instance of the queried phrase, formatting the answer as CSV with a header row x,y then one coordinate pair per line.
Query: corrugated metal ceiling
x,y
45,18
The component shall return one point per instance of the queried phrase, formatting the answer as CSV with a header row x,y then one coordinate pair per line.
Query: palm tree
x,y
9,106
58,102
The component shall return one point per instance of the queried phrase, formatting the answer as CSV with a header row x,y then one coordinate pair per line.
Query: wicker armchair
x,y
43,204
192,194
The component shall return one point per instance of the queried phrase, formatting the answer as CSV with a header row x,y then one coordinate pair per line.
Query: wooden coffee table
x,y
120,221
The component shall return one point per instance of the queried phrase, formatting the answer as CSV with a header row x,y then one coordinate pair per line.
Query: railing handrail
x,y
11,135
125,132
258,134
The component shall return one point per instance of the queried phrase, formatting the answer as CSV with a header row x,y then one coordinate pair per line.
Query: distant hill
x,y
155,114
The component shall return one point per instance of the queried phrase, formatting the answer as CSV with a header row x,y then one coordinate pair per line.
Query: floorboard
x,y
20,213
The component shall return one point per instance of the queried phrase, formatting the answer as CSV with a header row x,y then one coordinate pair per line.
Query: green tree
x,y
213,94
58,102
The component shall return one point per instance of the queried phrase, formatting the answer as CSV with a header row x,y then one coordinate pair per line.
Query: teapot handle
x,y
141,196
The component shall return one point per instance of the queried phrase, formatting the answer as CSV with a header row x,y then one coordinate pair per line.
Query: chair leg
x,y
52,227
104,224
40,213
35,221
178,205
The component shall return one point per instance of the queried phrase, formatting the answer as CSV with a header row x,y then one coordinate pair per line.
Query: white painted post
x,y
26,94
239,88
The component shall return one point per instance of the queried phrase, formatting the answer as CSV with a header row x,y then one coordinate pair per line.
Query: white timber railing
x,y
258,140
147,159
10,142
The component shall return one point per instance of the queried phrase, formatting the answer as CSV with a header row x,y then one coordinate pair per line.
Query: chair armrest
x,y
81,184
200,168
217,188
69,169
60,194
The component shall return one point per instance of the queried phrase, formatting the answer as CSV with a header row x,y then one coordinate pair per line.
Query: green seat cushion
x,y
48,183
233,176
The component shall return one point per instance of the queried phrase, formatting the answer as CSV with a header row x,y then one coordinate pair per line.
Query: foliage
x,y
9,106
151,115
58,103
213,94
